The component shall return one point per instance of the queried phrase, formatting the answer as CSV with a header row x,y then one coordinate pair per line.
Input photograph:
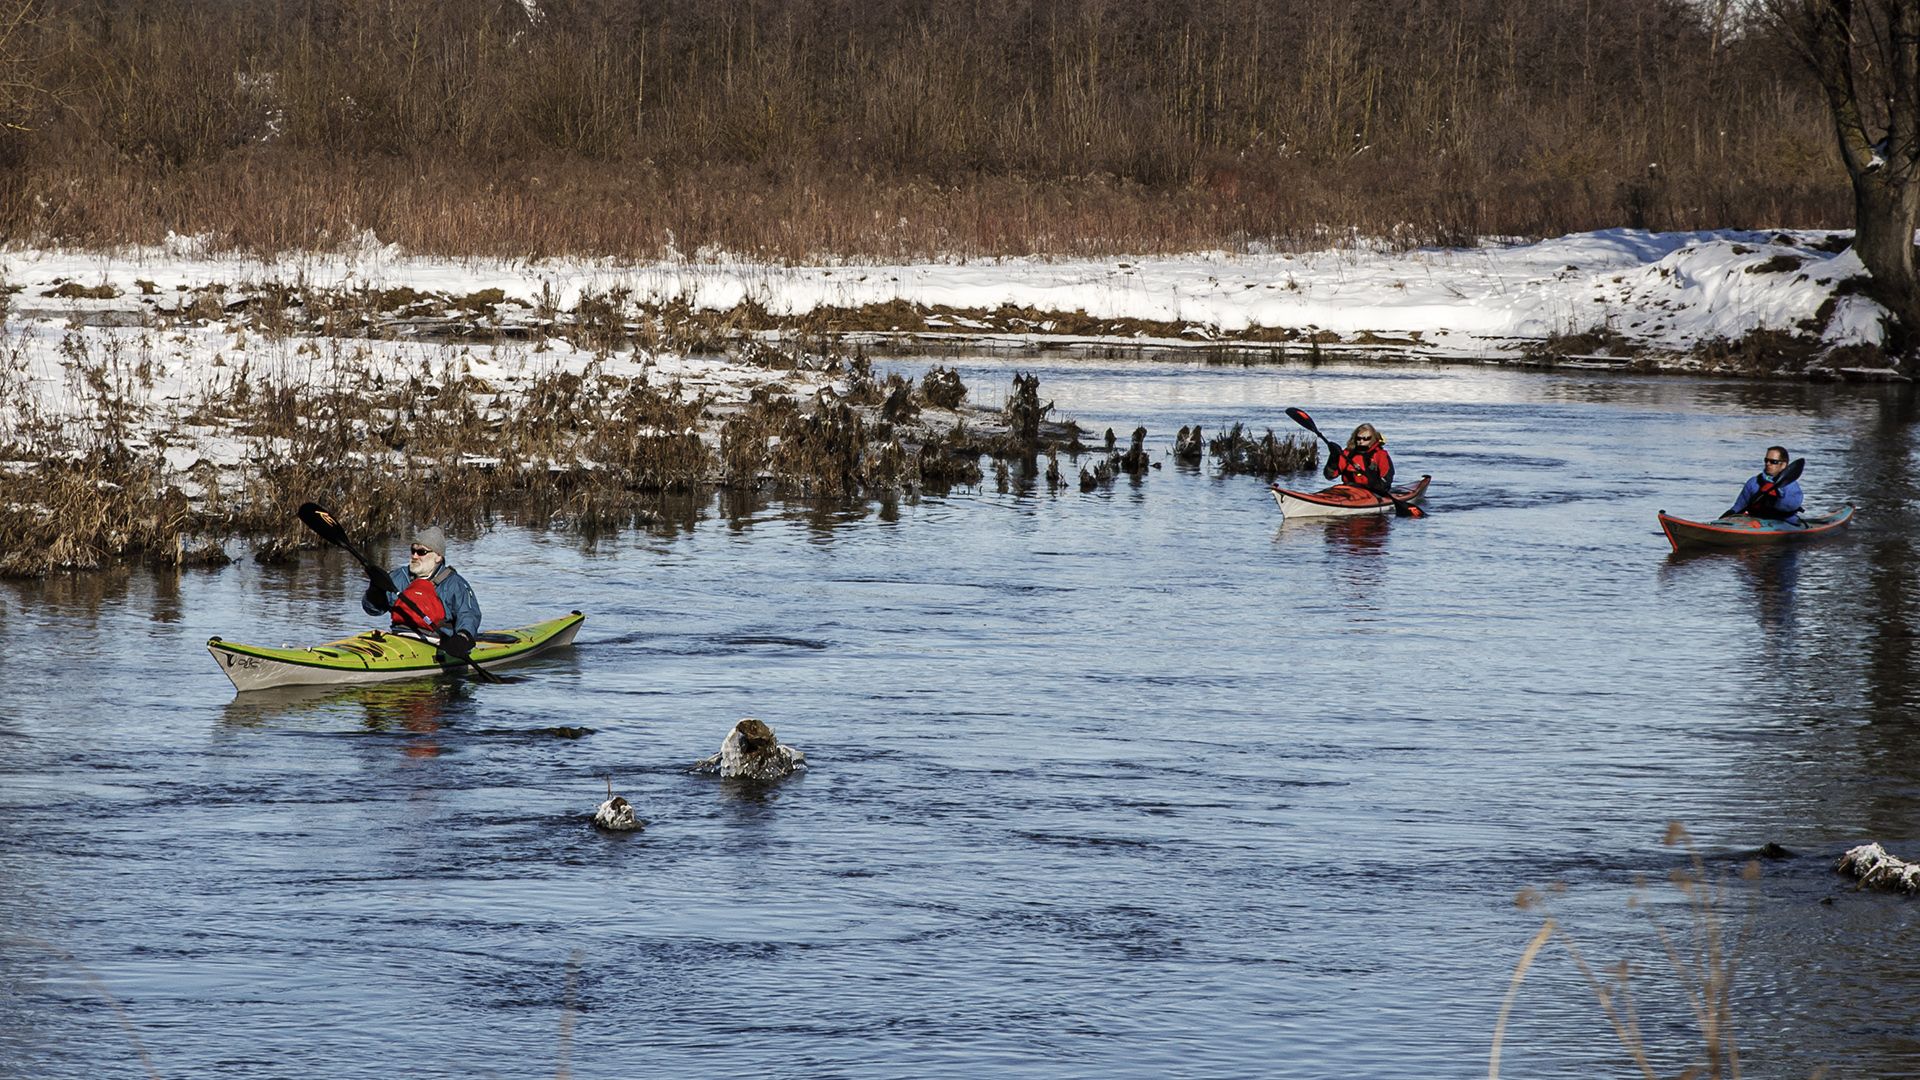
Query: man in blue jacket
x,y
429,596
1764,497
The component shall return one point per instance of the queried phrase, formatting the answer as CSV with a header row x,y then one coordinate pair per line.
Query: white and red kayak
x,y
1344,500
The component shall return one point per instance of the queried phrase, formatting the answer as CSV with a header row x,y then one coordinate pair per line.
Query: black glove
x,y
459,643
377,598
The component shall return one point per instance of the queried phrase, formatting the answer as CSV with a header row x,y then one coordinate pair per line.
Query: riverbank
x,y
1704,301
157,399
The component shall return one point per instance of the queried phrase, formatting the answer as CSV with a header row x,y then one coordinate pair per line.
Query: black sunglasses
x,y
422,551
1776,461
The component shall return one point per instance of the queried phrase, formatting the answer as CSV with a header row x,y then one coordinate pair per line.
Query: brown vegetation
x,y
790,129
1239,452
590,449
1703,961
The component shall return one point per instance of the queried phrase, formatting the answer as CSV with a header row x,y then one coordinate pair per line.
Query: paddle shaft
x,y
1400,509
328,529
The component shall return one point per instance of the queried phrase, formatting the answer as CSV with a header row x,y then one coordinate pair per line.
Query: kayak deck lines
x,y
381,655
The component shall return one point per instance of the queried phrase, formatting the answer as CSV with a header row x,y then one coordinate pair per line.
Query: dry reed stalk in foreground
x,y
99,987
1704,964
565,1070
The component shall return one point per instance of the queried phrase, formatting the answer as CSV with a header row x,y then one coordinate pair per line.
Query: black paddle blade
x,y
316,517
322,523
1299,416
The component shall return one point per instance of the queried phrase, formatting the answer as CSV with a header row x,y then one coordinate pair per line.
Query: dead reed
x,y
381,445
1703,961
99,987
1238,452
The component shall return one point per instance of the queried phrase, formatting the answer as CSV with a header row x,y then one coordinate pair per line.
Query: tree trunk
x,y
1883,217
1884,172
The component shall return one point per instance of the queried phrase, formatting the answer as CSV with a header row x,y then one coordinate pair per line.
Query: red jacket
x,y
1370,469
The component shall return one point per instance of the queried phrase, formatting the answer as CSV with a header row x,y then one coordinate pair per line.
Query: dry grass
x,y
588,448
99,987
1238,452
1703,961
789,129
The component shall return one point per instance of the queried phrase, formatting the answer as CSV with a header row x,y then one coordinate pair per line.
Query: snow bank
x,y
1664,292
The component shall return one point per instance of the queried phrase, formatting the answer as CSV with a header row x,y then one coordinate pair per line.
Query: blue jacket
x,y
1786,509
456,598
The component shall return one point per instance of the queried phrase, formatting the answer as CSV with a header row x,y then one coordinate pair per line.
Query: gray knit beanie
x,y
432,539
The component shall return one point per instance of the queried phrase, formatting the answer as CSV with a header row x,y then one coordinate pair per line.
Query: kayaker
x,y
1364,463
429,596
1762,497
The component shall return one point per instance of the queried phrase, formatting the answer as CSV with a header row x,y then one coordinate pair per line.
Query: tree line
x,y
889,127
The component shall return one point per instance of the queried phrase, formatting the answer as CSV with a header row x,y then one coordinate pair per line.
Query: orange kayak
x,y
1344,500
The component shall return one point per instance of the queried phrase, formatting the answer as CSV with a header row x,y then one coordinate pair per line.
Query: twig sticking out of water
x,y
1705,968
99,987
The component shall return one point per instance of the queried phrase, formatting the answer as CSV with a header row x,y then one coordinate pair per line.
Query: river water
x,y
1132,783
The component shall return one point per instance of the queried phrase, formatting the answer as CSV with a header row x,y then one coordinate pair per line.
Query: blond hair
x,y
1353,440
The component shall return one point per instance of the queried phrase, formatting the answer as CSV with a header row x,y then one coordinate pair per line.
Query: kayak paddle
x,y
328,529
1400,509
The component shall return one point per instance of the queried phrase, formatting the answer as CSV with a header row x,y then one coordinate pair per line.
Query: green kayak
x,y
380,655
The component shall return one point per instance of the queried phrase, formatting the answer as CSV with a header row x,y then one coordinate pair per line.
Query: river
x,y
1139,782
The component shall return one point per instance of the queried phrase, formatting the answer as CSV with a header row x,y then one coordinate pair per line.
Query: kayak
x,y
1743,531
1344,500
381,655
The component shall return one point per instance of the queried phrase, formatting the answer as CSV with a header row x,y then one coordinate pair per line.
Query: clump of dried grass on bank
x,y
379,448
1268,456
1703,962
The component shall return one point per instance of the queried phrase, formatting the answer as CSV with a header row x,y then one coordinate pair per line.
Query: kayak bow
x,y
378,656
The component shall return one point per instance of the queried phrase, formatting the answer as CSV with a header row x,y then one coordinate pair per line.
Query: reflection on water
x,y
1139,782
1772,575
414,706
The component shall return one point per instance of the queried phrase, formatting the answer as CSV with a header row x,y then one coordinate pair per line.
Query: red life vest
x,y
420,593
1366,468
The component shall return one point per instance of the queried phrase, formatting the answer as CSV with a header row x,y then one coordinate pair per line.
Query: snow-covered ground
x,y
1666,291
161,330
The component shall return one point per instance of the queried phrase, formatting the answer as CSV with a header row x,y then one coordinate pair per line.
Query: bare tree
x,y
1866,56
21,91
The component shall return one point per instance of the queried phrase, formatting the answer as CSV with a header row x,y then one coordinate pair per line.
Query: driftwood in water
x,y
1877,869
